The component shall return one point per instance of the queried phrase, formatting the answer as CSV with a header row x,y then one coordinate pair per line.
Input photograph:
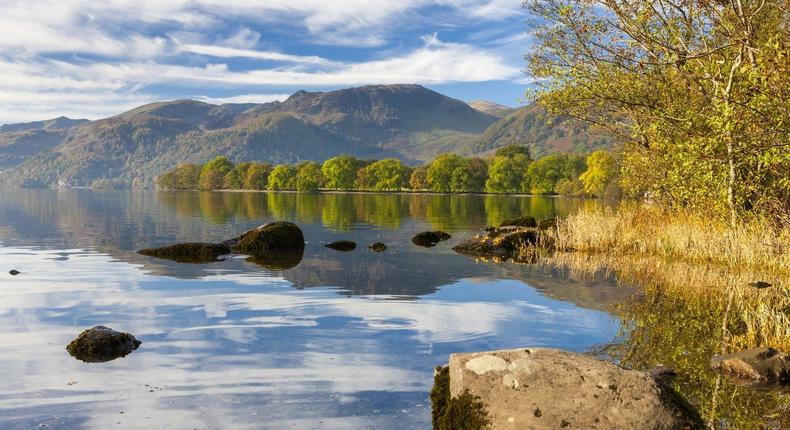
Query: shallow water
x,y
343,340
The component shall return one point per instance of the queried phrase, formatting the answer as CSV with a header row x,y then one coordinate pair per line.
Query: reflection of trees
x,y
677,322
337,211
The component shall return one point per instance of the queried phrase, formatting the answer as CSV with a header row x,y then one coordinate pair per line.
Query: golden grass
x,y
702,262
653,231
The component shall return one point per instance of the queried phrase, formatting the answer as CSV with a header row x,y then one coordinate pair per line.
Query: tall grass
x,y
677,235
703,262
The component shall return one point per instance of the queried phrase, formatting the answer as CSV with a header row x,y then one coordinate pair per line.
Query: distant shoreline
x,y
431,193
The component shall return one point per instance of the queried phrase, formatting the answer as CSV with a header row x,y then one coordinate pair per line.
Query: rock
x,y
342,245
14,272
524,221
443,235
277,260
754,367
100,344
378,247
274,236
547,389
191,252
546,224
498,244
428,239
760,284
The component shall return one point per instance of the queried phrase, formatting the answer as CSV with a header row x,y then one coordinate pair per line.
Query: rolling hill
x,y
409,122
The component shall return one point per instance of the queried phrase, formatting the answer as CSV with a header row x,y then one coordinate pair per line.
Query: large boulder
x,y
190,252
377,247
539,388
754,367
274,236
100,344
428,239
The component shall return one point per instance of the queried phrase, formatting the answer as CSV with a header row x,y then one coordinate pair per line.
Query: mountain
x,y
532,126
491,108
409,122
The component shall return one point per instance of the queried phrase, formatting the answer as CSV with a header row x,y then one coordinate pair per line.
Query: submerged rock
x,y
274,236
540,388
342,245
524,221
277,260
191,252
428,239
100,344
377,247
14,272
754,367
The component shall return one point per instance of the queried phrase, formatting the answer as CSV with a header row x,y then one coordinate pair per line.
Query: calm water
x,y
343,340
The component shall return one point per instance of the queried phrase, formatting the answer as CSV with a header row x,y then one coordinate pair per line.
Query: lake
x,y
343,340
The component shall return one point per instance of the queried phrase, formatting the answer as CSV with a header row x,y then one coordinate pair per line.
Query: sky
x,y
93,59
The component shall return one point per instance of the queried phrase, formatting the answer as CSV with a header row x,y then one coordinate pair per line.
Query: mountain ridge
x,y
406,121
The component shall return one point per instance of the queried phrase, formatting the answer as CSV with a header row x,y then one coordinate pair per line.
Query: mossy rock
x,y
443,235
342,245
546,224
190,252
465,412
377,247
101,344
275,236
524,221
277,260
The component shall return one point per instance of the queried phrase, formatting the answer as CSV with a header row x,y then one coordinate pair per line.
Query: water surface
x,y
343,340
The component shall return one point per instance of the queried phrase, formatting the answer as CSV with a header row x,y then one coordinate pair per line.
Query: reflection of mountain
x,y
120,223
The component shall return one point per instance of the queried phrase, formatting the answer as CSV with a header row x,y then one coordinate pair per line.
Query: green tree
x,y
440,172
282,177
257,177
544,174
478,174
308,176
507,173
212,175
234,180
388,174
601,170
340,172
513,150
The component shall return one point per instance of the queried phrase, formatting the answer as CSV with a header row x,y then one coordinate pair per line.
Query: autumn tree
x,y
340,172
601,170
697,91
257,177
308,176
212,175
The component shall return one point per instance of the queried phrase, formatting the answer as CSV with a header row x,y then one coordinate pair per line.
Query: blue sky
x,y
92,59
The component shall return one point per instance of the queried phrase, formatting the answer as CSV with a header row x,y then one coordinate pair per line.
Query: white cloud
x,y
230,52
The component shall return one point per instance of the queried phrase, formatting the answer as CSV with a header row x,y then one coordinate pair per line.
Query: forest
x,y
510,170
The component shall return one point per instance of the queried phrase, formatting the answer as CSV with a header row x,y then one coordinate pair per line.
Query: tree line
x,y
511,170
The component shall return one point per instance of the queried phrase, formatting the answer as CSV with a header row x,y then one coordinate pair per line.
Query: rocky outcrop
x,y
100,344
757,367
190,252
428,239
500,244
377,247
277,244
539,388
342,245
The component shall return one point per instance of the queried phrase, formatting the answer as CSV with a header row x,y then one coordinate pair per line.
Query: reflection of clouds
x,y
245,350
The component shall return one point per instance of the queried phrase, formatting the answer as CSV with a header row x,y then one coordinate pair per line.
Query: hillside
x,y
409,122
531,126
491,108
